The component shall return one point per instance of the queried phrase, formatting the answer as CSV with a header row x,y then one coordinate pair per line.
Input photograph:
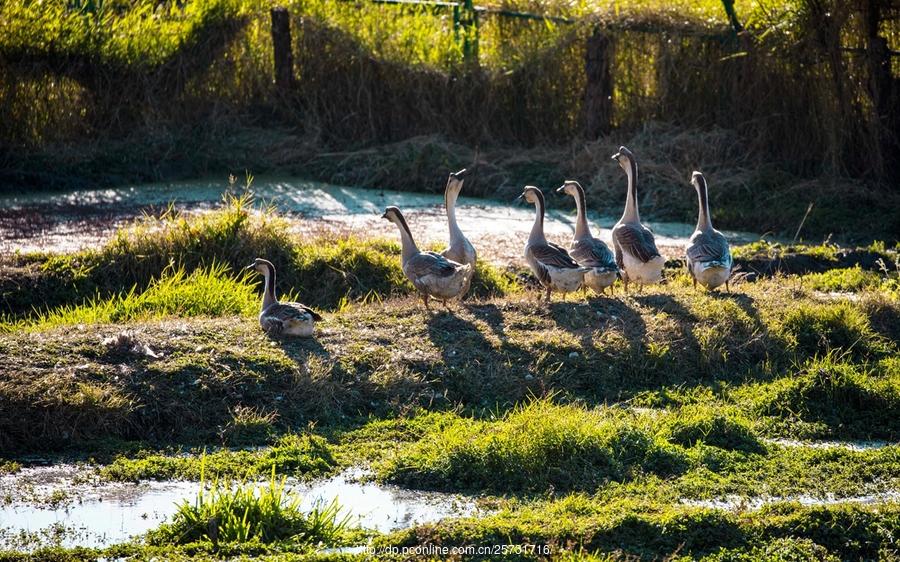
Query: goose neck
x,y
269,287
537,230
704,222
631,205
582,230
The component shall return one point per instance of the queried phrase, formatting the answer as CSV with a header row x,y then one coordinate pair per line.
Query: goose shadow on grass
x,y
475,370
603,372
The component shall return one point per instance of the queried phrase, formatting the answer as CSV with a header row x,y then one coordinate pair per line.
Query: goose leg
x,y
727,288
548,294
695,282
425,300
640,287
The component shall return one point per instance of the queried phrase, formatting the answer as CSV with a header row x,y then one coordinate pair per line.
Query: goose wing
x,y
635,239
431,263
709,247
592,252
550,254
285,311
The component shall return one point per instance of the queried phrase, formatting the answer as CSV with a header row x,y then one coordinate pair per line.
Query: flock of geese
x,y
588,263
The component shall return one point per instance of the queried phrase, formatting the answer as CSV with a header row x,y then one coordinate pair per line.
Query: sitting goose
x,y
551,264
589,251
282,318
636,253
708,255
460,249
431,274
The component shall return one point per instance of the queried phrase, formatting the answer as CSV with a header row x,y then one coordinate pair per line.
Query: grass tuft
x,y
224,512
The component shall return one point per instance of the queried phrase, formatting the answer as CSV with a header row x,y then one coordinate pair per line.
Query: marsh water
x,y
70,506
72,220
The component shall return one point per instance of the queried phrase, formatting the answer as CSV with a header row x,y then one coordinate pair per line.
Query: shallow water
x,y
849,445
740,503
70,221
96,514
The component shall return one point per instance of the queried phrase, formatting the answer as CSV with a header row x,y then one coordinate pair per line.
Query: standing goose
x,y
551,264
636,253
282,318
460,249
431,274
589,251
708,256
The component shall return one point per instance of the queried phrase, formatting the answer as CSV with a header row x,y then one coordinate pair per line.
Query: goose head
x,y
531,194
697,180
261,265
394,215
569,187
624,157
455,182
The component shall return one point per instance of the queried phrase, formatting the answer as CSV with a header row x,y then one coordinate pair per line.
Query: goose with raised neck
x,y
431,274
709,259
460,249
588,251
551,264
282,318
634,245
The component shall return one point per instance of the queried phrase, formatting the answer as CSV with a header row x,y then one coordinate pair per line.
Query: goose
x,y
636,253
460,249
431,274
589,251
551,264
282,318
708,255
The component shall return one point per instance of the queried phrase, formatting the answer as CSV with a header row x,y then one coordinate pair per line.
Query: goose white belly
x,y
565,280
599,279
442,287
463,253
710,276
643,272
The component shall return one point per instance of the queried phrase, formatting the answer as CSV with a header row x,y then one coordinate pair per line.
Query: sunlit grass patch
x,y
846,279
226,511
208,291
829,396
819,328
533,447
295,455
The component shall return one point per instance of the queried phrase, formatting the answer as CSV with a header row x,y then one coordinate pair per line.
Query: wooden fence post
x,y
599,88
281,47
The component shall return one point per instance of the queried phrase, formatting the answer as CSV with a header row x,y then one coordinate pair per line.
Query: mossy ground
x,y
593,426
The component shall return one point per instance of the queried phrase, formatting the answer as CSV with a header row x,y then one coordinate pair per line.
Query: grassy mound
x,y
533,447
721,428
836,397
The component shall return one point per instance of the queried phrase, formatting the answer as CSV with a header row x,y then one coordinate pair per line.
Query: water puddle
x,y
70,221
67,506
740,504
848,445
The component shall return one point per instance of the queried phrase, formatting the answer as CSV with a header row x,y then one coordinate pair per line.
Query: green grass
x,y
228,512
206,291
293,455
829,396
533,447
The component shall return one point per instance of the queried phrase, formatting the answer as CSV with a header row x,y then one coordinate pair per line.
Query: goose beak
x,y
616,156
459,175
384,215
251,266
561,189
519,198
